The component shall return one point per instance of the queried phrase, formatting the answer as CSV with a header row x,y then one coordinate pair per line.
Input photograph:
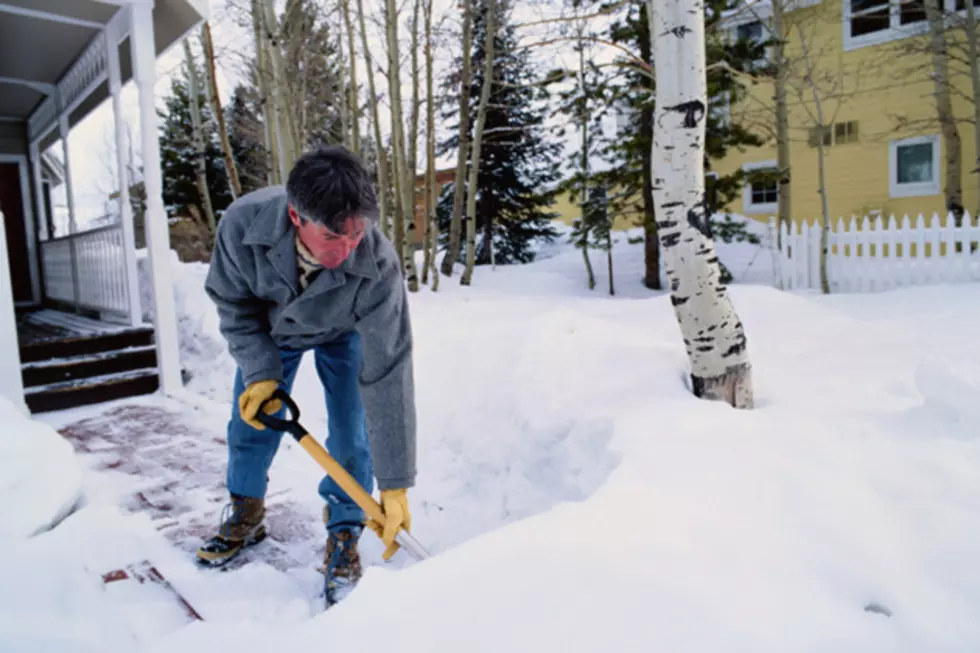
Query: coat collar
x,y
272,228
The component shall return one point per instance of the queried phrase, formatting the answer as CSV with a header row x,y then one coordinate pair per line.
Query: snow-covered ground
x,y
576,495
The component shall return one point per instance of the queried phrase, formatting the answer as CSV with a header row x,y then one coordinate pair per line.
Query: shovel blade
x,y
150,601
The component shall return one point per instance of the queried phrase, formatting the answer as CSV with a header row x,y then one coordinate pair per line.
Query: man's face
x,y
331,249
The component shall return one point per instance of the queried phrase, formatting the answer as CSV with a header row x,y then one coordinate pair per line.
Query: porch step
x,y
72,360
60,370
73,345
91,390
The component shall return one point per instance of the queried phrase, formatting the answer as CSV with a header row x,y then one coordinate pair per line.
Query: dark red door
x,y
12,206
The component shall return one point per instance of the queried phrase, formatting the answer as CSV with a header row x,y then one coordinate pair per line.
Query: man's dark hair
x,y
330,184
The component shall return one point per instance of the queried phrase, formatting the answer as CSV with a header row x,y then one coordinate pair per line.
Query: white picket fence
x,y
874,255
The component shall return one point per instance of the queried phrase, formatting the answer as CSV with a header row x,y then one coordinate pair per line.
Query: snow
x,y
40,479
576,496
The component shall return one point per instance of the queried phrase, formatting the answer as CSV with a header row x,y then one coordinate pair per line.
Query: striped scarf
x,y
307,263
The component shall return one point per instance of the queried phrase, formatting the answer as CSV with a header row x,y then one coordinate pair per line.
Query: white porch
x,y
60,60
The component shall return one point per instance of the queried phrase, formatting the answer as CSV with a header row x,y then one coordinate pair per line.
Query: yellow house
x,y
884,151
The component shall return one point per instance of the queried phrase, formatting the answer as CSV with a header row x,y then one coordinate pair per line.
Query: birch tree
x,y
944,109
404,182
822,127
383,180
416,106
583,111
481,118
352,102
713,333
270,118
456,223
780,35
287,134
430,241
973,56
197,131
214,100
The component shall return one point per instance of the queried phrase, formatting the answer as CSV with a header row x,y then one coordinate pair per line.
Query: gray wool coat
x,y
254,282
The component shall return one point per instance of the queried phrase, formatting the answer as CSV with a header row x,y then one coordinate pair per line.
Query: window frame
x,y
748,207
921,189
895,30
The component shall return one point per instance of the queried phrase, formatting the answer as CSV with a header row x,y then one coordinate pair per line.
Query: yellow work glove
x,y
250,400
394,504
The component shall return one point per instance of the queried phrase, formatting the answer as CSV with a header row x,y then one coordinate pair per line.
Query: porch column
x,y
70,194
125,207
157,233
41,213
11,384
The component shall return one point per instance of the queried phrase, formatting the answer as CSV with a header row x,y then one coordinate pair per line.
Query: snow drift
x,y
821,520
40,479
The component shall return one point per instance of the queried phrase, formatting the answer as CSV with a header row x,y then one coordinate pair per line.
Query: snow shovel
x,y
155,595
334,469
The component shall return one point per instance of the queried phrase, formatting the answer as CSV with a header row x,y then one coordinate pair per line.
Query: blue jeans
x,y
250,451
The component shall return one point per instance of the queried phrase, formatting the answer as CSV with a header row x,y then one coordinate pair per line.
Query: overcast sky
x,y
91,142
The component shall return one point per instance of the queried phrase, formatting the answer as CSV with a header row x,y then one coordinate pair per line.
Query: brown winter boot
x,y
242,528
341,561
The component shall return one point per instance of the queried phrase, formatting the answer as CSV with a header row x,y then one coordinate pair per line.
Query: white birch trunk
x,y
712,332
973,50
234,182
352,103
583,204
343,98
376,124
821,161
429,245
481,118
286,129
197,131
944,107
459,185
781,34
269,119
403,187
413,130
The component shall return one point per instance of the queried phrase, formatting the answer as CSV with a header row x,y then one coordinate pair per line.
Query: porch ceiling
x,y
41,49
17,101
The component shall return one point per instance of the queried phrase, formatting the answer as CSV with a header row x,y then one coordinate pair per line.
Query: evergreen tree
x,y
246,134
177,154
518,162
726,89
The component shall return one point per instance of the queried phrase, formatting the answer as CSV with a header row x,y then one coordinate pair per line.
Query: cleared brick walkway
x,y
174,471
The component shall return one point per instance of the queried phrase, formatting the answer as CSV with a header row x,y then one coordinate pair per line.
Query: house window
x,y
846,132
869,16
750,31
754,32
869,22
835,134
914,167
912,11
815,133
764,192
761,191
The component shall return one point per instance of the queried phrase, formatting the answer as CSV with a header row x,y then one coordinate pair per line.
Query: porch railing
x,y
88,270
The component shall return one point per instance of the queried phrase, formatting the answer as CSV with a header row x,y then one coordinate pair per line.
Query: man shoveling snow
x,y
305,268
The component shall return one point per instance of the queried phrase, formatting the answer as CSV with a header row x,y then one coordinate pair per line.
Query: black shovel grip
x,y
291,425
